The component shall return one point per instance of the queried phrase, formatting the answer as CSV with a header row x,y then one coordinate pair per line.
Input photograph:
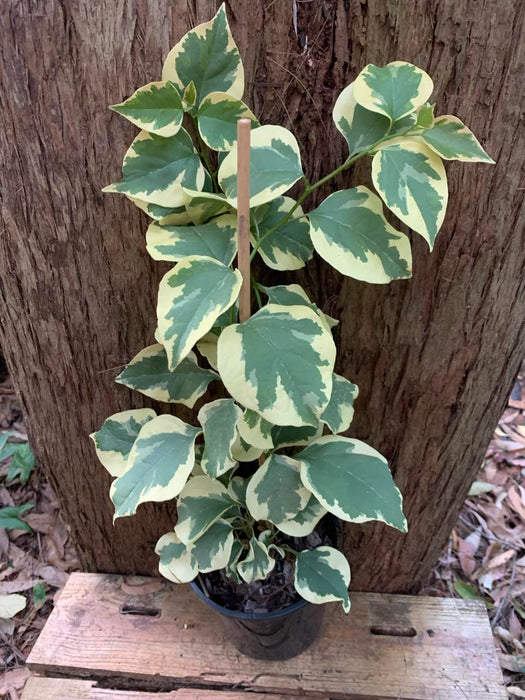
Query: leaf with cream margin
x,y
305,521
361,128
255,430
201,503
176,561
191,298
208,57
275,165
257,564
352,481
452,140
279,363
322,575
217,118
340,411
148,372
114,440
412,183
155,107
219,420
158,466
155,169
275,492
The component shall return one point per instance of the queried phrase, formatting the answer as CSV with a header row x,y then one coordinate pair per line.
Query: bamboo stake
x,y
243,215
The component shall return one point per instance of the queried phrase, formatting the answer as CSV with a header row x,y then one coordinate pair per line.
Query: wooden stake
x,y
243,215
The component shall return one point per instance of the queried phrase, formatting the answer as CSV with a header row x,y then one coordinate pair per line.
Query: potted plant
x,y
261,477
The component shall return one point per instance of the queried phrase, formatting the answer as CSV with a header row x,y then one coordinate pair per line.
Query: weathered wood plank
x,y
41,688
449,656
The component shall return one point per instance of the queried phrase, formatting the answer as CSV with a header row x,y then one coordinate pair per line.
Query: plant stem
x,y
256,290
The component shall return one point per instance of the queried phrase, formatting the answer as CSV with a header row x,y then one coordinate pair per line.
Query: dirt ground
x,y
484,558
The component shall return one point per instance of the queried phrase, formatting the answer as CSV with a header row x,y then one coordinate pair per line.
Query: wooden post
x,y
243,215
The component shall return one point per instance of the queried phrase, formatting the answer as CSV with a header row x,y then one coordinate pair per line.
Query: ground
x,y
484,558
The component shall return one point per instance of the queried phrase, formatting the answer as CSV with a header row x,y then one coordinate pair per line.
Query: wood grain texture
x,y
434,357
41,688
449,657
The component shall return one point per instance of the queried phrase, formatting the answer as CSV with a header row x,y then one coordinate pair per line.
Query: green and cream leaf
x,y
219,420
216,239
208,56
295,436
202,206
293,295
305,521
352,481
212,550
361,128
244,452
191,298
275,165
114,440
175,216
394,90
275,492
156,107
257,564
148,372
217,116
176,562
255,430
349,231
279,363
289,247
158,465
452,140
201,503
322,575
207,346
155,169
340,411
412,182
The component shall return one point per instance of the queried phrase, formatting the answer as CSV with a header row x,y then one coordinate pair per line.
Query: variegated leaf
x,y
189,97
191,298
237,489
257,564
305,521
393,90
340,411
231,567
203,206
207,346
155,169
114,440
243,452
217,239
158,466
217,116
322,575
255,430
156,107
452,140
279,363
213,549
176,563
275,165
289,247
176,216
275,492
201,503
292,436
148,372
293,294
350,232
219,419
425,115
412,182
352,481
361,128
197,469
208,56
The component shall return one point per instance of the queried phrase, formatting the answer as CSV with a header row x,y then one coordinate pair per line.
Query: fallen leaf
x,y
13,680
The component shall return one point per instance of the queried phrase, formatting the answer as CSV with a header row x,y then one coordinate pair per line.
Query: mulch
x,y
484,558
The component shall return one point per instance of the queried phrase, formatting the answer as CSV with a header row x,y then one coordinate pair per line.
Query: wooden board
x,y
390,646
42,688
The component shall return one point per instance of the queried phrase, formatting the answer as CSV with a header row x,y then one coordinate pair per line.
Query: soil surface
x,y
277,590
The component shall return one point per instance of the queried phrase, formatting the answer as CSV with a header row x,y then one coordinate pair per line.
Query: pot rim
x,y
237,614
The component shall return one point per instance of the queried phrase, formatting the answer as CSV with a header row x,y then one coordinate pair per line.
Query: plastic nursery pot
x,y
278,635
273,636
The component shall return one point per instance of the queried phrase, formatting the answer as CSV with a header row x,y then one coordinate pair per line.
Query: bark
x,y
434,357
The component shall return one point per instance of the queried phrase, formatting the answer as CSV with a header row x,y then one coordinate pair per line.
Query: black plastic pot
x,y
272,636
277,635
